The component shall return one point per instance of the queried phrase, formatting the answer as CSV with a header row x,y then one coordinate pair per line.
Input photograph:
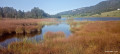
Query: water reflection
x,y
63,27
5,40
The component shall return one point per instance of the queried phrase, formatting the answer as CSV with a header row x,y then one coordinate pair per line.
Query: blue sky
x,y
49,6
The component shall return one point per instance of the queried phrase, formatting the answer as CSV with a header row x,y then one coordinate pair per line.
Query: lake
x,y
63,27
98,19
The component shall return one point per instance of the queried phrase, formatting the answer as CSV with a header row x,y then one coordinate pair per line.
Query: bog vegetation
x,y
23,26
88,38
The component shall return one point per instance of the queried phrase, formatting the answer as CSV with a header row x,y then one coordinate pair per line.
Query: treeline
x,y
10,12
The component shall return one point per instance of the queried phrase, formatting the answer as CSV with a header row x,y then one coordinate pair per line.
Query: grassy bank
x,y
87,38
22,26
115,13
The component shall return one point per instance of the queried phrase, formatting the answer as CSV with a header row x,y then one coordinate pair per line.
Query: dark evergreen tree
x,y
9,12
20,14
38,13
1,12
28,14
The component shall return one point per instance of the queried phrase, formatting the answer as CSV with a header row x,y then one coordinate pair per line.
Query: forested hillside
x,y
104,6
10,12
115,13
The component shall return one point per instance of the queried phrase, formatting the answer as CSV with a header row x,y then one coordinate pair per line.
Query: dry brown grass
x,y
92,38
8,26
53,35
98,37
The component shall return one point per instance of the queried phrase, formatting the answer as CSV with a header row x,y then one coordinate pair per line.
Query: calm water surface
x,y
98,19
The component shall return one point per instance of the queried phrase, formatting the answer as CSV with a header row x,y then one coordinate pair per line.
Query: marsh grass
x,y
92,38
24,46
19,26
77,25
53,35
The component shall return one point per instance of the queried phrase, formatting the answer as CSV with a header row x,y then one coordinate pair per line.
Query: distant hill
x,y
115,13
104,6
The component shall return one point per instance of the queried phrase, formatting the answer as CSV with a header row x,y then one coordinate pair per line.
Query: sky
x,y
49,6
